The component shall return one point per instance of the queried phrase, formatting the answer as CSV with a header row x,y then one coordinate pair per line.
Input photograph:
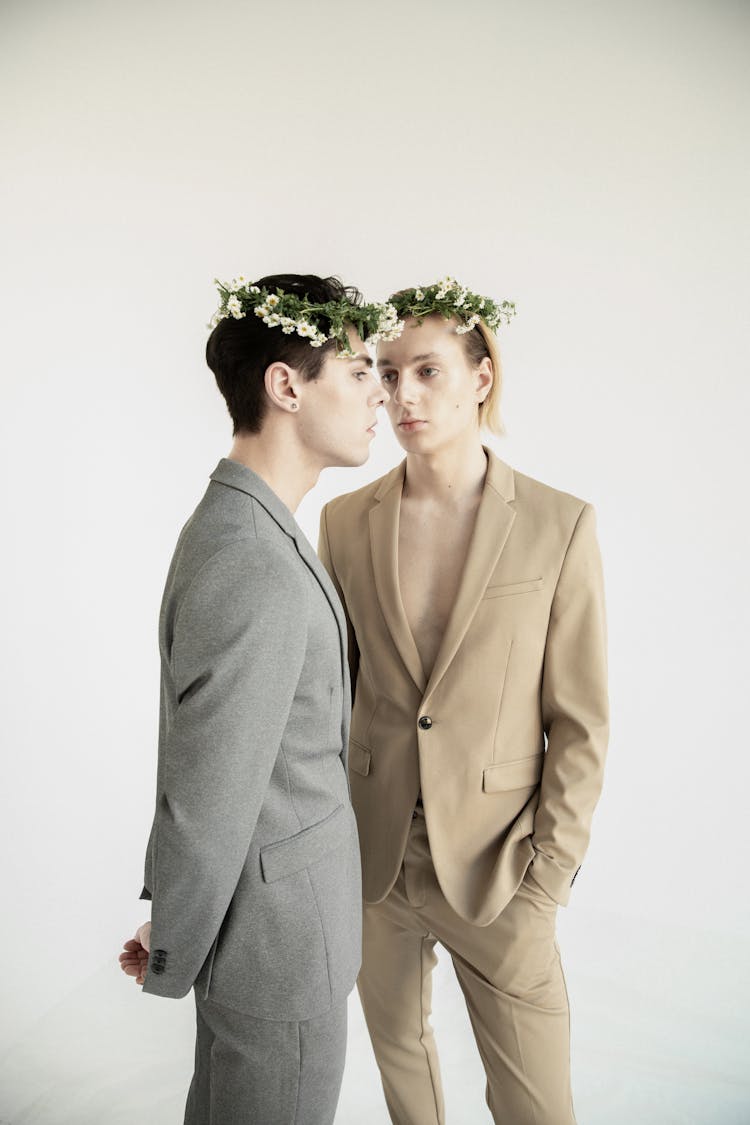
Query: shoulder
x,y
231,528
555,504
261,558
243,573
566,522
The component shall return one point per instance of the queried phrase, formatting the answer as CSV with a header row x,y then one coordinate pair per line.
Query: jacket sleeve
x,y
324,554
237,649
575,712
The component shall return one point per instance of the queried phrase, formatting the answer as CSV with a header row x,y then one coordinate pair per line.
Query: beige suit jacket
x,y
507,738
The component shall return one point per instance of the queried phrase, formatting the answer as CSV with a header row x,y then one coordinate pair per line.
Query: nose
x,y
404,393
379,394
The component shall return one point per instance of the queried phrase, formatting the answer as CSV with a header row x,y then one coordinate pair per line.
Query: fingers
x,y
143,935
134,960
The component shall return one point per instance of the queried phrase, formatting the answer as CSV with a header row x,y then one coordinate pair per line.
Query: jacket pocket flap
x,y
358,757
513,775
514,588
298,851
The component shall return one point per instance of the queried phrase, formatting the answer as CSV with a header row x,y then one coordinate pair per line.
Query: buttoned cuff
x,y
552,878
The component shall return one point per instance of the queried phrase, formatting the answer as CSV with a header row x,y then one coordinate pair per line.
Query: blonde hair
x,y
481,343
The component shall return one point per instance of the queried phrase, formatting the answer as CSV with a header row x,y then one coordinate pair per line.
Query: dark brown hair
x,y
240,351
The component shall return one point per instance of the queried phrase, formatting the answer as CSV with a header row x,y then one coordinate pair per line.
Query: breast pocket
x,y
507,589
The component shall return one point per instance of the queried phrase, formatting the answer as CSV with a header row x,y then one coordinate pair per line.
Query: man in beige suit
x,y
477,643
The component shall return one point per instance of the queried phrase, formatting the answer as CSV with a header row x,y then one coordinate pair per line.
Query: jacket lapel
x,y
494,520
384,518
309,556
240,477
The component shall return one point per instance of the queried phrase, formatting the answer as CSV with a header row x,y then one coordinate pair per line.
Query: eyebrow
x,y
414,359
361,358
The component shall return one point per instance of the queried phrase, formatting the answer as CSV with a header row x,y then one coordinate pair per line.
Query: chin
x,y
351,458
363,457
418,440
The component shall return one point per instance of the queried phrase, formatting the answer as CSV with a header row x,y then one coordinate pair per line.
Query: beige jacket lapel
x,y
493,523
384,517
495,517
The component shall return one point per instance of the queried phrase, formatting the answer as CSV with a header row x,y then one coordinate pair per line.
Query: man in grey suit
x,y
252,865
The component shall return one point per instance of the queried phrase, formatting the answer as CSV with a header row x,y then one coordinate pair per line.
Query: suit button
x,y
425,722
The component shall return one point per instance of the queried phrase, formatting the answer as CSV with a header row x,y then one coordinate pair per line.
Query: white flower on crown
x,y
418,295
253,289
272,320
272,300
287,324
389,327
446,284
472,322
236,284
463,292
304,329
235,308
262,310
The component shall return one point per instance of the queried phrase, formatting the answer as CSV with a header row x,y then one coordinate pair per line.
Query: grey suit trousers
x,y
252,1071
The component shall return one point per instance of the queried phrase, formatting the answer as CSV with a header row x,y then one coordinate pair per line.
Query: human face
x,y
434,390
338,409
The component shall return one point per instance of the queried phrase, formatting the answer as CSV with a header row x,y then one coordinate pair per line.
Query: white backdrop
x,y
587,159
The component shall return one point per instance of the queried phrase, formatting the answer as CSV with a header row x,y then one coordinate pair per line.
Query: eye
x,y
387,377
429,372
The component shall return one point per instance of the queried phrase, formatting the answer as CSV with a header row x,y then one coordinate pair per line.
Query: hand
x,y
134,961
535,890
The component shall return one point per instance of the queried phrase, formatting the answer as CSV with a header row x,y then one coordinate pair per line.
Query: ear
x,y
281,385
484,378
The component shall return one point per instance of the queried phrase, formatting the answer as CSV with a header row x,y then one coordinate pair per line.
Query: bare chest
x,y
432,551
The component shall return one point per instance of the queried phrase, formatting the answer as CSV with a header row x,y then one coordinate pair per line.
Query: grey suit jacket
x,y
253,861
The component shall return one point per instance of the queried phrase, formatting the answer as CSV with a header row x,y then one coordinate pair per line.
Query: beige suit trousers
x,y
511,977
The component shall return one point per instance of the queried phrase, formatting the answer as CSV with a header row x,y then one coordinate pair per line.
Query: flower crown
x,y
315,321
451,299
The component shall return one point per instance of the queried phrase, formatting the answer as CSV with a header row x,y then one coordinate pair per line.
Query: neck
x,y
280,460
452,476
